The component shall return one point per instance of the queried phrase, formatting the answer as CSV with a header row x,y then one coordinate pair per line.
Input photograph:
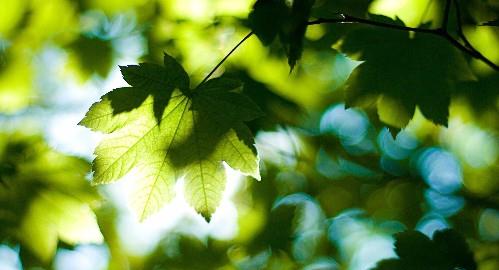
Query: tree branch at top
x,y
445,20
441,32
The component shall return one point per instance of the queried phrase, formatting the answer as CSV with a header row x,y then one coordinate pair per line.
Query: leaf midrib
x,y
200,163
163,163
139,140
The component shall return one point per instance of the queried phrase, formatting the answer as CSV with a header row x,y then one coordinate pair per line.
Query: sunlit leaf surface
x,y
167,132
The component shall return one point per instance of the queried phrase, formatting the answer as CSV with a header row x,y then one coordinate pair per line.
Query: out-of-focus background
x,y
335,184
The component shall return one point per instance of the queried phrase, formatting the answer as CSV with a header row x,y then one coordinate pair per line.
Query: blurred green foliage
x,y
44,197
337,189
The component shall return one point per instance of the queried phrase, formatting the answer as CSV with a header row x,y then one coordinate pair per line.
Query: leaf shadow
x,y
206,137
130,98
149,80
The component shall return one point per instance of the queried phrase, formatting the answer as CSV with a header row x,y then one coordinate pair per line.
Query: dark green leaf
x,y
414,246
447,250
454,249
294,31
403,68
274,17
267,18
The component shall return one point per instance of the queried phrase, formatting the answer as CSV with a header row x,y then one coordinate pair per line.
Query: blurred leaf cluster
x,y
44,197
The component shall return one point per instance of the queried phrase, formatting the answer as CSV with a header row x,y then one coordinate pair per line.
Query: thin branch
x,y
344,18
351,19
441,32
467,43
460,26
225,58
445,20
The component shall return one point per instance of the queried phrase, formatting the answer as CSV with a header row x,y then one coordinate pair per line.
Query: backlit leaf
x,y
167,132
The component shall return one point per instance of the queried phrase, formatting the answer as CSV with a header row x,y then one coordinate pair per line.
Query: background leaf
x,y
267,18
423,82
286,19
44,197
447,250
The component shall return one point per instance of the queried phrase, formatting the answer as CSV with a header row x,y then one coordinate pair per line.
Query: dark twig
x,y
467,43
460,26
225,58
445,20
351,19
441,32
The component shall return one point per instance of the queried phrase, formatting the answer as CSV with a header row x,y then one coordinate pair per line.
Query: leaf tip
x,y
206,215
167,59
394,131
441,121
256,173
142,216
81,123
292,64
122,69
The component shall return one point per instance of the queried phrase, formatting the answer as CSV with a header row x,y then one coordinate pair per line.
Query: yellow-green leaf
x,y
166,131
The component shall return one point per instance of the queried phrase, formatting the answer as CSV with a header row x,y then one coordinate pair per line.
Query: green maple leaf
x,y
166,132
403,71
